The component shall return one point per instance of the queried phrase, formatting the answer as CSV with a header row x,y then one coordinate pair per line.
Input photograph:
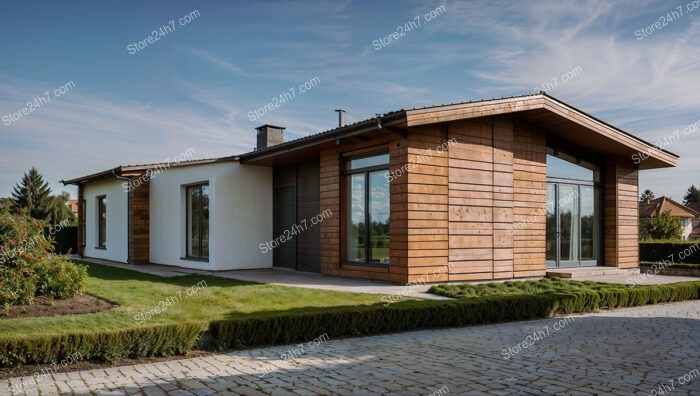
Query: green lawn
x,y
520,287
137,293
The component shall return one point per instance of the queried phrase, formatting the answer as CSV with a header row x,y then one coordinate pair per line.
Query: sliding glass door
x,y
572,213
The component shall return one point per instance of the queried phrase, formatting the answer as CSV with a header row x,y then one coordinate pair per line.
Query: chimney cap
x,y
269,126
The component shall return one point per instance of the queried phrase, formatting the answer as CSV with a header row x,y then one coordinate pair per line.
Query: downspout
x,y
128,208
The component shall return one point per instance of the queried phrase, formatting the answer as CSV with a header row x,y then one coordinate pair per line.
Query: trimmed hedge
x,y
162,340
289,326
415,315
66,240
680,251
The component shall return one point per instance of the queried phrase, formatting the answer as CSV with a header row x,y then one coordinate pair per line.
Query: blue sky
x,y
194,87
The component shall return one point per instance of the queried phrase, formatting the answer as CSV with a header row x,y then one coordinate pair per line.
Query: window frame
x,y
346,172
101,236
188,253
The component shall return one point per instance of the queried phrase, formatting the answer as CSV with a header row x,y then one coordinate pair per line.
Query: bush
x,y
57,277
66,240
675,252
415,315
162,340
16,287
28,266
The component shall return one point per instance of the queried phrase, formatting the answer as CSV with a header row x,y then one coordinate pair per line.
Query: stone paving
x,y
623,352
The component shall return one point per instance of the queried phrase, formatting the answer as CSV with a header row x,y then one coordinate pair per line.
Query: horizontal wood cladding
x,y
529,186
497,179
621,212
139,224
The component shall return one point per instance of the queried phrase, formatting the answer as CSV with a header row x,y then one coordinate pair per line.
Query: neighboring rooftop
x,y
657,206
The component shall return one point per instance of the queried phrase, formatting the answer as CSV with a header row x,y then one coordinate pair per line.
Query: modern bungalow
x,y
491,189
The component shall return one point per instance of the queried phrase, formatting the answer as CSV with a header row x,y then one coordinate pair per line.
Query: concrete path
x,y
286,277
310,280
624,352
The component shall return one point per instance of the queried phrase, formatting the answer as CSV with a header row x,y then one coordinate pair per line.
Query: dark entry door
x,y
309,207
285,254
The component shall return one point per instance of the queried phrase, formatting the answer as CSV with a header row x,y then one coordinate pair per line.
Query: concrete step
x,y
586,272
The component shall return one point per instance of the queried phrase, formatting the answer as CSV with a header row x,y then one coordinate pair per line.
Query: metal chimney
x,y
341,116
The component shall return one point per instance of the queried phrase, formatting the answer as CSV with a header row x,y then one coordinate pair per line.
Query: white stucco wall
x,y
240,200
687,224
117,222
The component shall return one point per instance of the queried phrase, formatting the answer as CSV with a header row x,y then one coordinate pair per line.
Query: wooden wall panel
x,y
621,215
529,187
472,219
427,213
139,224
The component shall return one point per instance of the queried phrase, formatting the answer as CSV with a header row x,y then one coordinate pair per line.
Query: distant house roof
x,y
694,206
73,205
664,204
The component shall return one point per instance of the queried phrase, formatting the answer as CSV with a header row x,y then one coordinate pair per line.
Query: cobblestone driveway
x,y
631,351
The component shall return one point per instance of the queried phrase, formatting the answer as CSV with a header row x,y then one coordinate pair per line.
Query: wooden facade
x,y
139,223
467,203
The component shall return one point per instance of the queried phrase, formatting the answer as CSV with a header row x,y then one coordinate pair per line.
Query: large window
x,y
367,213
573,211
198,221
102,221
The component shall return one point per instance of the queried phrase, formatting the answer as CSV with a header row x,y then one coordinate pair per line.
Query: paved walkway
x,y
624,352
309,280
286,277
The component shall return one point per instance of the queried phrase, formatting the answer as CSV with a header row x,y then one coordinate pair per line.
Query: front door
x,y
572,230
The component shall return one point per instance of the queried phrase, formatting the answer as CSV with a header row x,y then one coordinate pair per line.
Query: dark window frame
x,y
101,236
345,172
188,253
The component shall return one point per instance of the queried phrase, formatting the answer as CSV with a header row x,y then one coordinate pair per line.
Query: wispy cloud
x,y
214,60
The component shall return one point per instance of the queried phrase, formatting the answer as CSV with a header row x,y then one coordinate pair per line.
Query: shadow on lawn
x,y
105,272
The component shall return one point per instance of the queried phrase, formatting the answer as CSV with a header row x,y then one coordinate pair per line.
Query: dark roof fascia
x,y
372,124
119,171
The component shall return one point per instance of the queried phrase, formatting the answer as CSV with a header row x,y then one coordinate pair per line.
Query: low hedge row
x,y
289,327
415,315
162,340
680,251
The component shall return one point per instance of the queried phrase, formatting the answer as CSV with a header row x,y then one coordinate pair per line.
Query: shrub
x,y
57,277
66,240
28,266
162,340
16,287
676,252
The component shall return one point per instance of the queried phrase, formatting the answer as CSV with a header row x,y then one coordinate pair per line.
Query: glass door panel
x,y
569,229
551,225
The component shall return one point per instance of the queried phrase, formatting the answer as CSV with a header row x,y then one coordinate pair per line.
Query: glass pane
x,y
193,211
367,162
568,221
551,220
379,217
559,168
355,243
588,223
103,222
204,228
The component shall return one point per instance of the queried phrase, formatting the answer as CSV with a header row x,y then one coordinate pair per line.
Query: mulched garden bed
x,y
42,307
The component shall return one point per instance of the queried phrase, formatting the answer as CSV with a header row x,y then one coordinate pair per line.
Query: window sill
x,y
101,247
200,259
